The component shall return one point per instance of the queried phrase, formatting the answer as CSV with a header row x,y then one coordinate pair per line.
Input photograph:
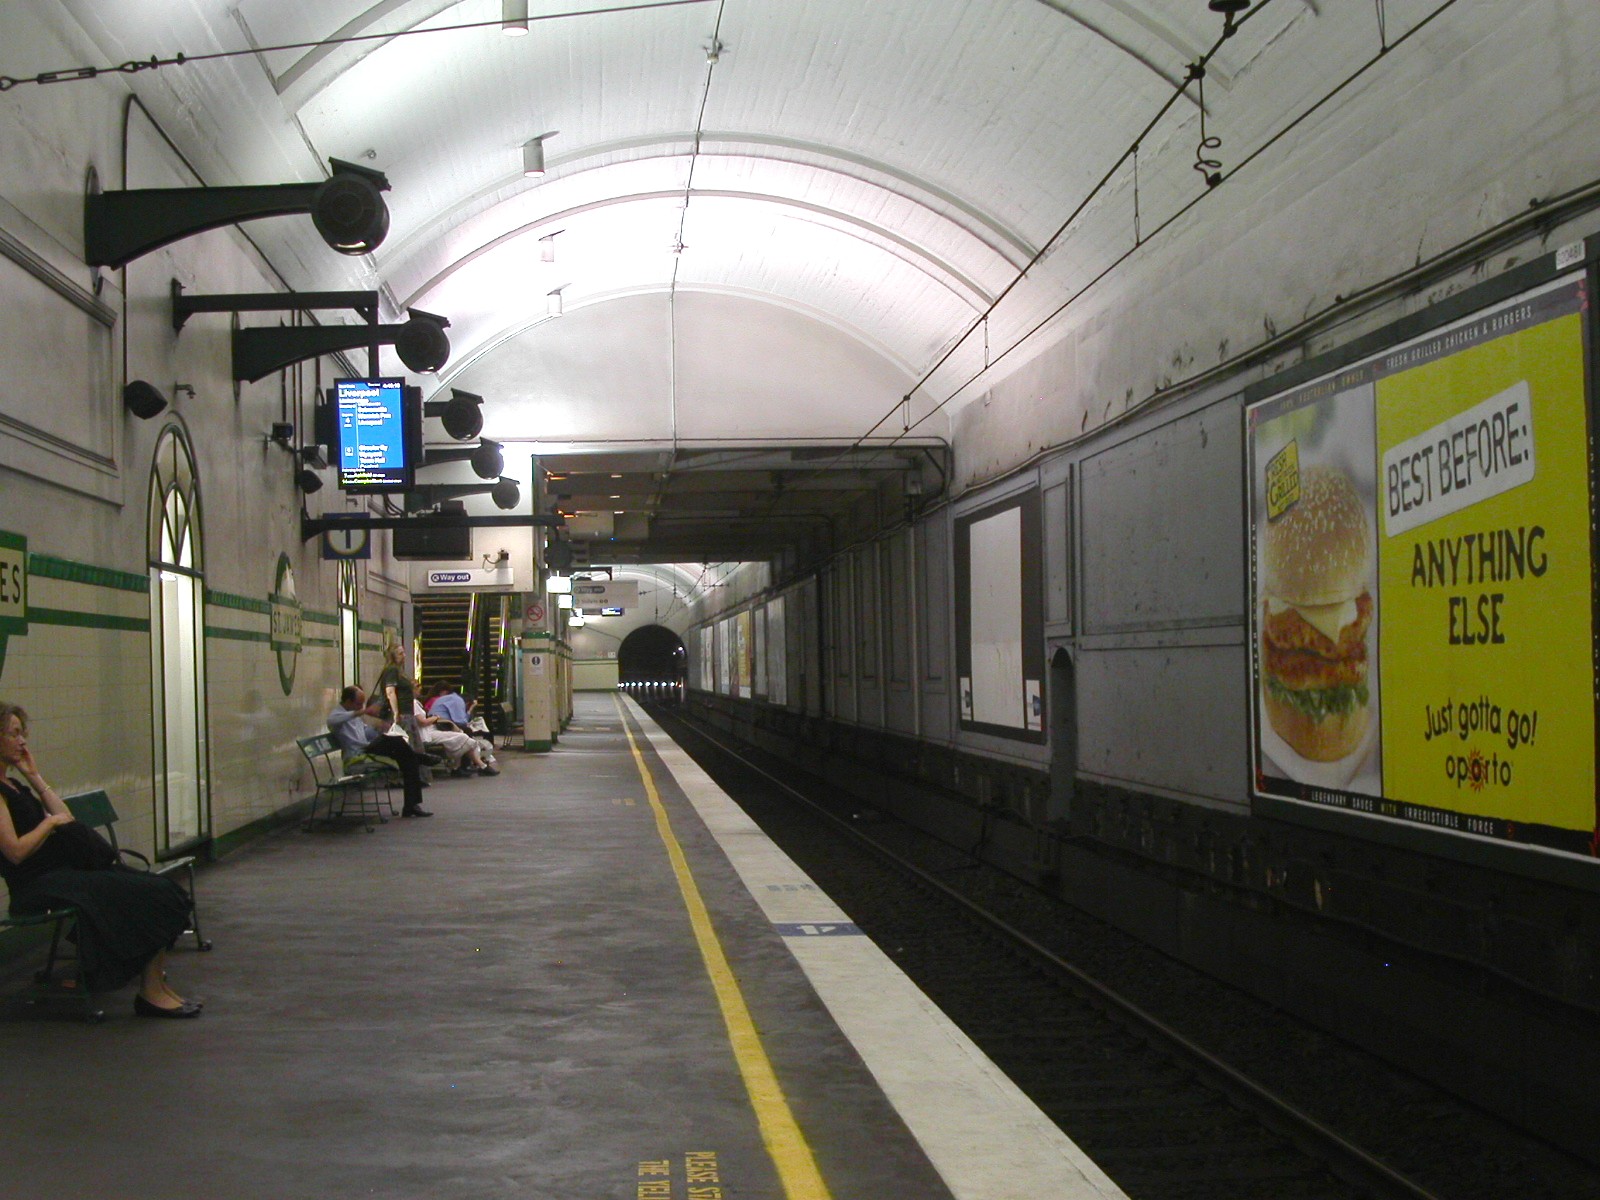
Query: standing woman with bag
x,y
395,690
126,918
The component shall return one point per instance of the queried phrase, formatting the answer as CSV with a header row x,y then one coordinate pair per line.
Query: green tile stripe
x,y
84,620
46,566
242,603
371,626
223,633
315,641
318,618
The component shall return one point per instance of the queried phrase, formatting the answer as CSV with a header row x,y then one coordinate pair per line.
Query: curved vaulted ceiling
x,y
885,168
760,219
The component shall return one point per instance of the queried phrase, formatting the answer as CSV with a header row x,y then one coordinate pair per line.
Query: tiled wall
x,y
75,472
83,672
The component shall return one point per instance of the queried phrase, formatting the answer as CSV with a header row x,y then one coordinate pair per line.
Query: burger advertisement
x,y
1422,584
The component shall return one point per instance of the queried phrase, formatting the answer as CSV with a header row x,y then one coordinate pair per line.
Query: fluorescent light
x,y
553,303
559,585
514,17
564,600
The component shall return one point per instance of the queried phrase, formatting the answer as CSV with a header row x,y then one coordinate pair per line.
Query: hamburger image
x,y
1315,612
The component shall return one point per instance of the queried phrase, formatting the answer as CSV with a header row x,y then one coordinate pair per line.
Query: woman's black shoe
x,y
419,811
143,1008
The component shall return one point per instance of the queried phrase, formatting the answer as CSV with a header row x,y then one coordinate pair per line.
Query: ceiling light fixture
x,y
533,158
514,17
1230,10
553,303
547,246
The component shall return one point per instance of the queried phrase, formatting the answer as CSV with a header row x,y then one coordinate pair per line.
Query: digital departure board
x,y
377,448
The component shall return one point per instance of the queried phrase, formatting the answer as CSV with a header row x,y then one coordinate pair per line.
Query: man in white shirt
x,y
357,736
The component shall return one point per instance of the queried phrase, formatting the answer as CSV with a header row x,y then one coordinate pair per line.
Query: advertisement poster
x,y
1422,581
745,643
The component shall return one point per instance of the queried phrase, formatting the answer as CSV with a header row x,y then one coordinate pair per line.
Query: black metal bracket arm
x,y
420,342
310,526
349,213
185,306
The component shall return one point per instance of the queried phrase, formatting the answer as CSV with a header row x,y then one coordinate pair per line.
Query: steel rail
x,y
1345,1159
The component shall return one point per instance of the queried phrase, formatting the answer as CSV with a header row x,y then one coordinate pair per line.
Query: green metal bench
x,y
360,779
95,810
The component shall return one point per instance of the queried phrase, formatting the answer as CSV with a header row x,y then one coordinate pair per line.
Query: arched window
x,y
349,626
177,646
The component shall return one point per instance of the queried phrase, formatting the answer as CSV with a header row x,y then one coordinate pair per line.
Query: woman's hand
x,y
58,818
27,764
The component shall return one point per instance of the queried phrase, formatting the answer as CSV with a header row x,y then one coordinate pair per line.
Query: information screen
x,y
375,452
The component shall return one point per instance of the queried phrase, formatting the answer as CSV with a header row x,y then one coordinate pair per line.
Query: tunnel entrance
x,y
652,663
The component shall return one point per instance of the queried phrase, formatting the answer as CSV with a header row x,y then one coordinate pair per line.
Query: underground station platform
x,y
591,976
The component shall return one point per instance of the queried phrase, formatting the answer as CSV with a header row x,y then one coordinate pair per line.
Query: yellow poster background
x,y
745,649
1528,772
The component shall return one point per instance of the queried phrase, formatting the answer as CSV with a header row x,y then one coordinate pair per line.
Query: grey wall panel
x,y
1169,717
900,623
1057,556
871,608
934,606
808,650
1162,521
838,628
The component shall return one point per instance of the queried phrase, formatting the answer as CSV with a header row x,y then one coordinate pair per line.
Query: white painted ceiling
x,y
852,183
882,167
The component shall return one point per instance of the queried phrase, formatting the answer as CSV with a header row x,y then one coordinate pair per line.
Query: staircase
x,y
443,627
464,642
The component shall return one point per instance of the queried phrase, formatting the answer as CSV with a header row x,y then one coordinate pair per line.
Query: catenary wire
x,y
154,62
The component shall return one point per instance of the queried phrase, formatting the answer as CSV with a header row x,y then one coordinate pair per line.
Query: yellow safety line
x,y
797,1169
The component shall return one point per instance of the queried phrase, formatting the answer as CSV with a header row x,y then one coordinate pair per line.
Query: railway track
x,y
1162,1116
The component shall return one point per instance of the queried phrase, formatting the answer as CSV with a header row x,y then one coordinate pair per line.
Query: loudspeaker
x,y
446,544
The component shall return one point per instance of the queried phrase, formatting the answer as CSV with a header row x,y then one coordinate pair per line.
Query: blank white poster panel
x,y
996,607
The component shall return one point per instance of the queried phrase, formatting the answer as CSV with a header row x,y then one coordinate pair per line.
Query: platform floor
x,y
589,977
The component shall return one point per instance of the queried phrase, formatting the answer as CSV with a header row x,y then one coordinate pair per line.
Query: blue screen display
x,y
371,420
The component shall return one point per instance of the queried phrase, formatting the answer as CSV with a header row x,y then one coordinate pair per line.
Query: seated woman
x,y
464,752
126,918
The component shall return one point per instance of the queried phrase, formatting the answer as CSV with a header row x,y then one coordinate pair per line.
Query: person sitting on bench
x,y
126,918
355,724
465,753
461,712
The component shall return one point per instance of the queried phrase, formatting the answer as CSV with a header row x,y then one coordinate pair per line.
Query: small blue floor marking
x,y
816,929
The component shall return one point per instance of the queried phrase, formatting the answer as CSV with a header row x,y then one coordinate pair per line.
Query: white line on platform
x,y
986,1139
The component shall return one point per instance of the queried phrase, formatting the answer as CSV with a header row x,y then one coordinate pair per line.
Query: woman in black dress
x,y
126,918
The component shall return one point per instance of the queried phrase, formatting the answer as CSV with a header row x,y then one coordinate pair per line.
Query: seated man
x,y
465,752
356,735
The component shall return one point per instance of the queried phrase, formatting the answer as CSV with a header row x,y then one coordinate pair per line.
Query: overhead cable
x,y
154,62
